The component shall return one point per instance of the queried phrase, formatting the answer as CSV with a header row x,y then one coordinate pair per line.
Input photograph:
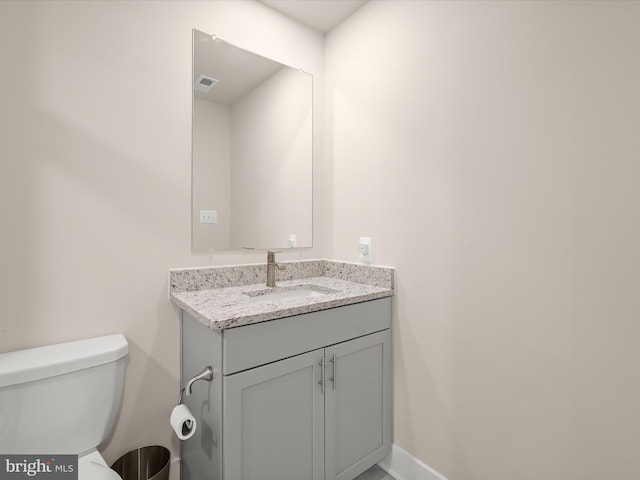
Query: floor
x,y
374,473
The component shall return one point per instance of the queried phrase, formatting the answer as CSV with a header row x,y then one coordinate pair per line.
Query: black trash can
x,y
146,463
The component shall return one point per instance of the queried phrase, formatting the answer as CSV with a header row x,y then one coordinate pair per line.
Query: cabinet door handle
x,y
334,378
321,382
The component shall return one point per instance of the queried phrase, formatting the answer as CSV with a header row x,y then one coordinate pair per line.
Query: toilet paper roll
x,y
182,422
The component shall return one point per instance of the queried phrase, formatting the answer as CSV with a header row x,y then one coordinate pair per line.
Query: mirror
x,y
251,150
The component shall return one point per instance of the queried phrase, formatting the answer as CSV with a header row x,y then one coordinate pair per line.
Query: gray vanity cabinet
x,y
358,396
298,398
275,421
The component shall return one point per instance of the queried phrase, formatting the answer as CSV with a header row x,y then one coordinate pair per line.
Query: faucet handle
x,y
271,255
271,259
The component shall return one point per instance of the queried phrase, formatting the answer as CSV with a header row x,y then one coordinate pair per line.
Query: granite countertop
x,y
227,297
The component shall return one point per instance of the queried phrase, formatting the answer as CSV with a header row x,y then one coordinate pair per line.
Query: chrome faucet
x,y
271,268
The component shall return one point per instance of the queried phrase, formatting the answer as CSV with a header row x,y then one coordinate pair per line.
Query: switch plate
x,y
208,216
366,253
292,241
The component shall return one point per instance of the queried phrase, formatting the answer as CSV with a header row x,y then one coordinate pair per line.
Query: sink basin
x,y
288,293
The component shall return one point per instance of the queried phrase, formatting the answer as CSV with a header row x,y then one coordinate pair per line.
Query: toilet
x,y
63,399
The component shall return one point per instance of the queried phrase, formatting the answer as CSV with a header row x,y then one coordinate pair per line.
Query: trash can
x,y
146,463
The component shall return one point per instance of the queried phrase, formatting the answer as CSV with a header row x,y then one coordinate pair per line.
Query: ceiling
x,y
321,15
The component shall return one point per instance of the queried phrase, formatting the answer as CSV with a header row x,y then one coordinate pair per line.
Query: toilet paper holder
x,y
205,374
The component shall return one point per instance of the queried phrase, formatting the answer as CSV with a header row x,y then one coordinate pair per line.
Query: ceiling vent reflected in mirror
x,y
204,83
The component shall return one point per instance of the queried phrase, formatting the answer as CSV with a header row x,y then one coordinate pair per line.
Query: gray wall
x,y
491,151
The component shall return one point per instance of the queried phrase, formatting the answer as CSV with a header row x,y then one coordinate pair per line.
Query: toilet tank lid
x,y
37,363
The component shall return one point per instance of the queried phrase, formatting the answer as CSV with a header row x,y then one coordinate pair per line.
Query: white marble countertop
x,y
233,306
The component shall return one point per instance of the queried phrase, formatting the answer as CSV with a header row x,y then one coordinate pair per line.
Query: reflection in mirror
x,y
251,150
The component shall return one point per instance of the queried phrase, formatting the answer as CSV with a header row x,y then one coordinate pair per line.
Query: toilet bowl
x,y
63,399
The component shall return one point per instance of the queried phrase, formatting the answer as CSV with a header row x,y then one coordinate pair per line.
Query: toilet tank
x,y
61,398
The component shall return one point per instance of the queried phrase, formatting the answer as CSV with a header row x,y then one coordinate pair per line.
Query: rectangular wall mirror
x,y
251,150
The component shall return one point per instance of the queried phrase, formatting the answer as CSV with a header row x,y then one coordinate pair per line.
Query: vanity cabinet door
x,y
357,405
274,421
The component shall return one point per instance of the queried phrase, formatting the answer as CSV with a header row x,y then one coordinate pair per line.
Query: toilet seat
x,y
95,471
93,467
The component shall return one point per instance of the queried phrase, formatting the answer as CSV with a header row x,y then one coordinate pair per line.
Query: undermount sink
x,y
288,293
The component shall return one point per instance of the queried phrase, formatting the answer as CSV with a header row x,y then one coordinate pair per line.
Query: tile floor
x,y
374,473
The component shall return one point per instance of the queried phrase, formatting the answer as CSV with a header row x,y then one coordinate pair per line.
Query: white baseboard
x,y
401,465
